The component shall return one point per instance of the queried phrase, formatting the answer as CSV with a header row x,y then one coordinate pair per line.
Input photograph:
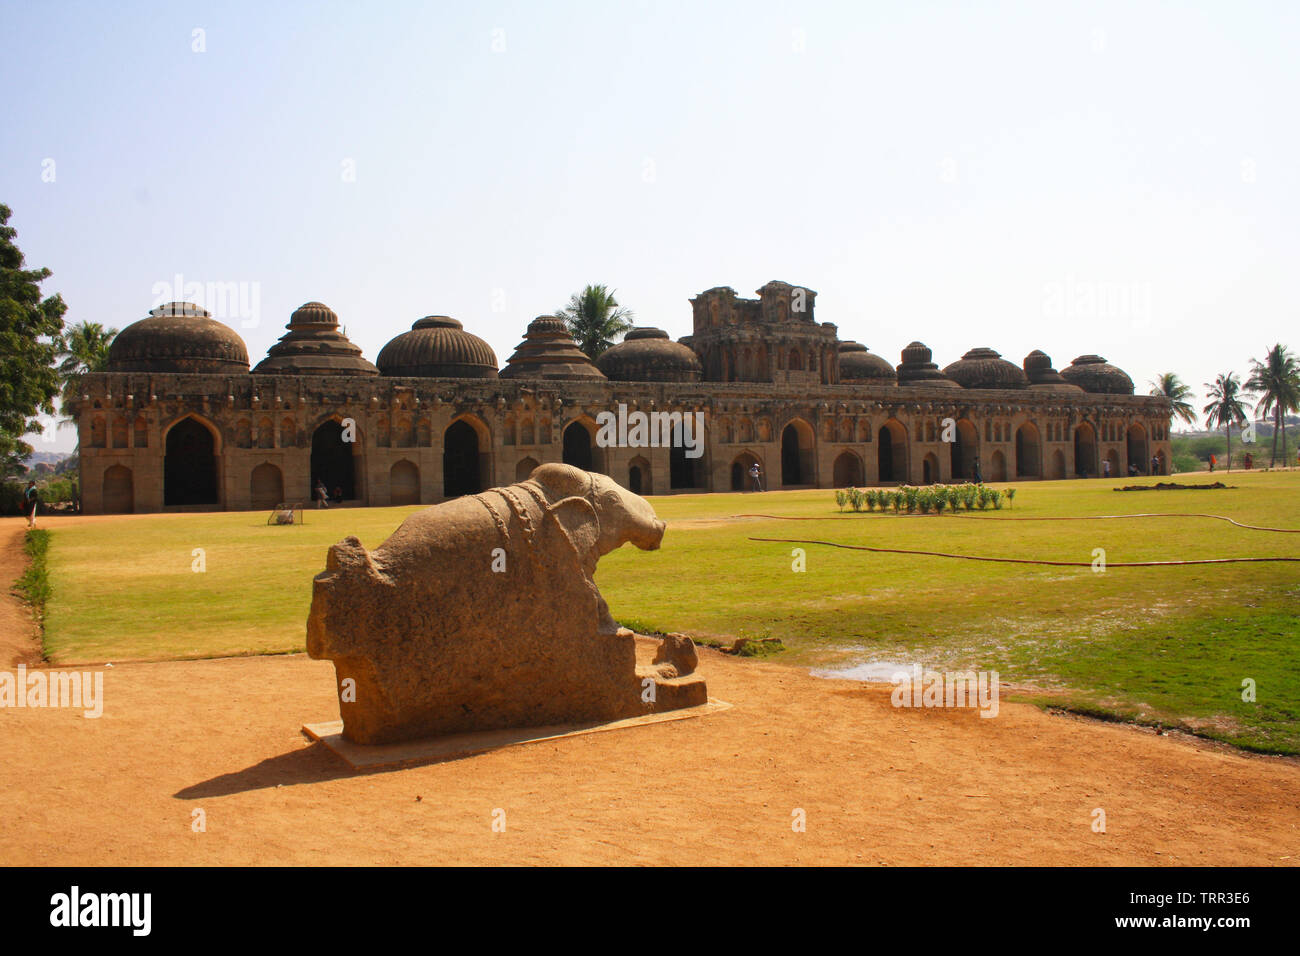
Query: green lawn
x,y
1162,645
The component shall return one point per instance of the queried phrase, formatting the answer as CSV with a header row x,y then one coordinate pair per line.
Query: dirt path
x,y
19,641
878,785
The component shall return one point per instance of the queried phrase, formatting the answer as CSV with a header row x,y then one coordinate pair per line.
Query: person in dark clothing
x,y
31,498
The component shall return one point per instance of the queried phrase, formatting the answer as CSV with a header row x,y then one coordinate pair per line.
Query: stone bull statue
x,y
483,613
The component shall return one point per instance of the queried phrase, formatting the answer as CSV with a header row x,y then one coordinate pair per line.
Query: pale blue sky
x,y
967,174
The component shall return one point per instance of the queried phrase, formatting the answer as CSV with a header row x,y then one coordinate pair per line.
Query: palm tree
x,y
83,348
1169,385
1225,406
595,319
1277,380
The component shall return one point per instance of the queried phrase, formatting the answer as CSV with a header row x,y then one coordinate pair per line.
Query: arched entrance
x,y
848,470
1085,451
579,447
119,491
190,465
404,483
681,470
930,469
998,466
797,454
1137,448
525,468
740,472
1029,462
638,477
462,460
963,450
332,460
891,452
266,486
1112,456
1058,464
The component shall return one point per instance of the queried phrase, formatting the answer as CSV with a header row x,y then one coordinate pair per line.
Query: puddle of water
x,y
881,672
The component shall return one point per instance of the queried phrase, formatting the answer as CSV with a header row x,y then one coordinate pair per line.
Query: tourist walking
x,y
31,498
322,495
1155,464
1212,459
979,475
755,477
1105,468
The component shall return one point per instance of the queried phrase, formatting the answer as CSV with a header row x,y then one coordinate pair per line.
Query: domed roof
x,y
438,347
1042,377
314,346
857,364
918,369
649,355
548,351
178,337
1092,373
985,368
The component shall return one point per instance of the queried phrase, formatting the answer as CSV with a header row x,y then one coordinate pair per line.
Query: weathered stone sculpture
x,y
483,613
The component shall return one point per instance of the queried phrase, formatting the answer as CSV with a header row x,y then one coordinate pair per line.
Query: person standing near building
x,y
1155,464
322,495
755,477
1105,468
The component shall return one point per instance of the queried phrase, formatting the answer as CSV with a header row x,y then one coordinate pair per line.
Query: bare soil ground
x,y
878,785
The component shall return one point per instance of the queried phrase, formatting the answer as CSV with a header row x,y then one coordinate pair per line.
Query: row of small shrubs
x,y
34,584
936,498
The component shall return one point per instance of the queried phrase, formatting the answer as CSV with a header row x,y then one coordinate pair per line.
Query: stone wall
x,y
262,426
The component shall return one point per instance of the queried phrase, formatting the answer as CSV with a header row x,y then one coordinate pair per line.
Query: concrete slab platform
x,y
363,757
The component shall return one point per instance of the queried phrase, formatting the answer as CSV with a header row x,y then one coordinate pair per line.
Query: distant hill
x,y
49,457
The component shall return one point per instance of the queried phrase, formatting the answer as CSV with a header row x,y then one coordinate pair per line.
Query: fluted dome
x,y
1092,373
438,347
649,355
314,346
858,364
985,368
919,369
1042,377
548,351
178,337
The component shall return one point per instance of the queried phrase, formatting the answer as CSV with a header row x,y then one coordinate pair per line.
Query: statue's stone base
x,y
371,757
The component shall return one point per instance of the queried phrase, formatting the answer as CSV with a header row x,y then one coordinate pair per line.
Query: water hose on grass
x,y
1057,564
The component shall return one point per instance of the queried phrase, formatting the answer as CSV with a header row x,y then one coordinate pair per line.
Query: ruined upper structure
x,y
178,420
773,338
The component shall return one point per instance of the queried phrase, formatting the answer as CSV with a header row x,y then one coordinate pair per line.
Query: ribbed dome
x,y
919,369
857,364
1042,377
985,368
178,337
548,351
1092,373
314,346
649,355
438,347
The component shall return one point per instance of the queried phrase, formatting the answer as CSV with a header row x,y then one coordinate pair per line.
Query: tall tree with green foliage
x,y
1277,381
1225,408
30,328
83,348
1170,386
595,319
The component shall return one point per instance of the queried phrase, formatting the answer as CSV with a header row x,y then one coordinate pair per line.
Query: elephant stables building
x,y
178,421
